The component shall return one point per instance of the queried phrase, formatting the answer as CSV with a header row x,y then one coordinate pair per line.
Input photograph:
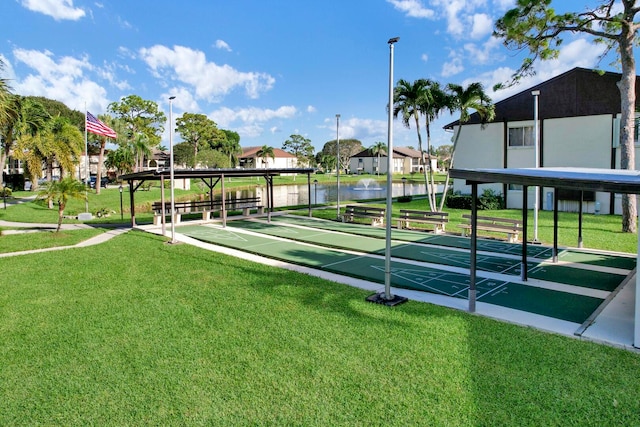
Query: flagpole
x,y
86,154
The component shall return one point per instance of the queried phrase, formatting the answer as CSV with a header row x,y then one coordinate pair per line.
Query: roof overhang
x,y
211,173
586,179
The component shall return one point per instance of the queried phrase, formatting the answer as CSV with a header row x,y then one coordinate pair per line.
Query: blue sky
x,y
266,69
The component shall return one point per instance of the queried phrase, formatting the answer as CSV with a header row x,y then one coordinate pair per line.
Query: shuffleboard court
x,y
569,275
571,307
625,262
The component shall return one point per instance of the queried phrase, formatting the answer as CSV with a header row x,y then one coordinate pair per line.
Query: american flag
x,y
96,126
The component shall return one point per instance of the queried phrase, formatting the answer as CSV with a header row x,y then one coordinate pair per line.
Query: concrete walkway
x,y
34,227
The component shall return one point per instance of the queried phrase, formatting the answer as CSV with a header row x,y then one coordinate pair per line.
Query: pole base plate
x,y
381,298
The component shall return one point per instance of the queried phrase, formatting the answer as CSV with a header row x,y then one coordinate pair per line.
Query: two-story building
x,y
579,126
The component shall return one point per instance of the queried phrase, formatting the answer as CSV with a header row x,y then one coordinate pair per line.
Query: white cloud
x,y
57,9
424,57
365,130
412,8
485,54
209,80
221,44
311,109
453,66
248,122
503,4
482,25
578,53
64,80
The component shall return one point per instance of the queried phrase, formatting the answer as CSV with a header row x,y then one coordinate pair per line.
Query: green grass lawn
x,y
135,331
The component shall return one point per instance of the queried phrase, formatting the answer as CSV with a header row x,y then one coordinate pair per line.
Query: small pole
x,y
121,214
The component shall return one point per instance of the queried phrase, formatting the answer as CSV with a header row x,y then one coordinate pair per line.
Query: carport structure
x,y
211,178
580,179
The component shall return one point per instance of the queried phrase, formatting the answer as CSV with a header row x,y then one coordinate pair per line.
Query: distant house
x,y
405,160
250,159
579,123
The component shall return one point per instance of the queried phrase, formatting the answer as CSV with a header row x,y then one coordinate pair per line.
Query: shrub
x,y
488,200
5,192
404,199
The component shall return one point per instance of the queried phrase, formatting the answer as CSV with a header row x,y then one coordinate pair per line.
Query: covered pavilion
x,y
211,178
580,179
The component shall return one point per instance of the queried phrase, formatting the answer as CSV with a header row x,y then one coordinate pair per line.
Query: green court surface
x,y
572,307
484,245
434,254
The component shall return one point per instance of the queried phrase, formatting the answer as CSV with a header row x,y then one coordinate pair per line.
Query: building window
x,y
521,137
515,187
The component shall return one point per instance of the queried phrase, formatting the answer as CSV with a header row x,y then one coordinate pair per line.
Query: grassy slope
x,y
171,334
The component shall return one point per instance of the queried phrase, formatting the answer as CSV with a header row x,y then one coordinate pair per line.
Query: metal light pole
x,y
404,186
121,214
171,183
536,127
386,297
338,164
315,191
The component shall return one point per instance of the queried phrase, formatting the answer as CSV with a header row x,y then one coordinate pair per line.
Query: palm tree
x,y
121,160
433,103
376,149
265,152
408,99
60,192
464,99
141,148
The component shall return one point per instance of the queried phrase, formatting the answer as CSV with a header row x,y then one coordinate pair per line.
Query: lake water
x,y
291,195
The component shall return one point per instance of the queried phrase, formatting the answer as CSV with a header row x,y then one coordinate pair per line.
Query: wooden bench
x,y
206,207
512,227
437,219
376,215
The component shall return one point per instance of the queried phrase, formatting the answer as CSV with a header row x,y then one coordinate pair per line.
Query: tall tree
x,y
26,129
199,131
120,159
408,102
300,147
535,26
264,153
231,146
376,149
59,192
473,97
348,148
139,116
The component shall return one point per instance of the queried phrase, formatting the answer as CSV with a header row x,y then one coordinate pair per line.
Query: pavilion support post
x,y
525,216
580,219
555,226
223,212
309,193
474,247
162,206
132,204
636,323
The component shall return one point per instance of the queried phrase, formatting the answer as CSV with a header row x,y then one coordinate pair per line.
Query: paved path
x,y
101,238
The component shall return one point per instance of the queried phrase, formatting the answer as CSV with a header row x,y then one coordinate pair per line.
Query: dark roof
x,y
587,179
155,175
577,92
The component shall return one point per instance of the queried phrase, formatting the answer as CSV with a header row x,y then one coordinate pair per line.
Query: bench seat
x,y
375,214
511,227
437,219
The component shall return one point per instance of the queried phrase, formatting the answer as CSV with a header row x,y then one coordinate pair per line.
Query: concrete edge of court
x,y
606,328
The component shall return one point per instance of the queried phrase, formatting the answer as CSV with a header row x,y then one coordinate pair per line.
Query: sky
x,y
268,69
